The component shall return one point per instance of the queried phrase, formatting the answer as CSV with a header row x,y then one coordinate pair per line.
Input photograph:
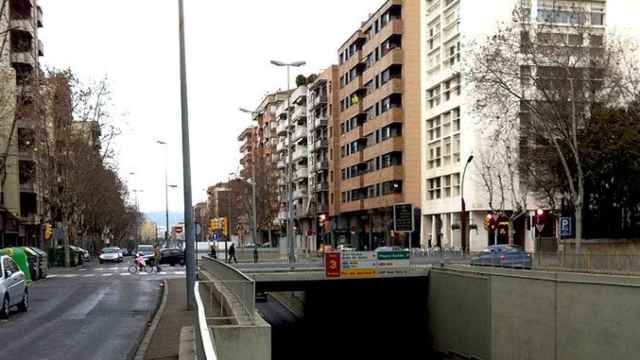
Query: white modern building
x,y
451,131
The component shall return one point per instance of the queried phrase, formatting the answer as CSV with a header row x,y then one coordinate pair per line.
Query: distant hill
x,y
158,217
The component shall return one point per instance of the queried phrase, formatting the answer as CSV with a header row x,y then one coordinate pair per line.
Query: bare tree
x,y
545,81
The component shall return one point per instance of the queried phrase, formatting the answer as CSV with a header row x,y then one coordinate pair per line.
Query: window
x,y
433,97
434,189
433,128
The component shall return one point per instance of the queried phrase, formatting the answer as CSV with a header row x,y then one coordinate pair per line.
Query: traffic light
x,y
48,231
490,221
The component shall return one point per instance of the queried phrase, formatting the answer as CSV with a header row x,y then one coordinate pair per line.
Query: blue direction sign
x,y
565,227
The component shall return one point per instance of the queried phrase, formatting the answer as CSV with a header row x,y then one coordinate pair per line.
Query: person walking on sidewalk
x,y
232,253
156,257
255,254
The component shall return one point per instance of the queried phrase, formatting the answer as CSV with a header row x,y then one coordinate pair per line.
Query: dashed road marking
x,y
106,275
89,275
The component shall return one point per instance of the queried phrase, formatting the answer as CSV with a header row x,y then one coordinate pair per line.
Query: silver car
x,y
13,287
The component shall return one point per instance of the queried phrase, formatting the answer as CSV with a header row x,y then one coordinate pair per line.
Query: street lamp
x,y
166,189
463,212
254,228
290,244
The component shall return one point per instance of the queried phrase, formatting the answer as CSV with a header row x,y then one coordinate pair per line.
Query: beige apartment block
x,y
377,157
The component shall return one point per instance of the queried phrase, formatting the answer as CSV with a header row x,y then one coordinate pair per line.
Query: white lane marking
x,y
52,276
108,274
89,275
81,310
84,269
163,273
68,275
124,274
179,272
99,269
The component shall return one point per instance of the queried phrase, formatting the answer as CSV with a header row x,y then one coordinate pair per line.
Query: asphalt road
x,y
92,317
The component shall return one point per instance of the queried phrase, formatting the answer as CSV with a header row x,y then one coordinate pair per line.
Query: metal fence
x,y
627,264
241,287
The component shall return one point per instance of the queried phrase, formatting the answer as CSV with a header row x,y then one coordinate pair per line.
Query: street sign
x,y
332,264
403,218
358,263
565,227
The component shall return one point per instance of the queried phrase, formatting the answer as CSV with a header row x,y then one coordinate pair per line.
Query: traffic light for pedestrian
x,y
48,231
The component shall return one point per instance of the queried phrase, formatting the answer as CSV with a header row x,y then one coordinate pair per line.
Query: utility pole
x,y
290,224
186,160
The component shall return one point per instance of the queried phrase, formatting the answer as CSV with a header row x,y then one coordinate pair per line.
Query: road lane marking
x,y
89,275
108,274
163,273
124,274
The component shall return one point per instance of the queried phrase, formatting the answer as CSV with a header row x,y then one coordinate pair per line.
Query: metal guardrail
x,y
624,264
205,348
242,287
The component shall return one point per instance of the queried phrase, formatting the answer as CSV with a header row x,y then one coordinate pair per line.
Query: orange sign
x,y
332,264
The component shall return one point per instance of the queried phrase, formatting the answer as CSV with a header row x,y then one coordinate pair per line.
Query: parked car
x,y
34,263
172,256
146,250
13,287
84,254
503,256
110,254
43,259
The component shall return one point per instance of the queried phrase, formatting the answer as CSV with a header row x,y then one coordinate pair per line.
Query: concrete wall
x,y
503,314
243,342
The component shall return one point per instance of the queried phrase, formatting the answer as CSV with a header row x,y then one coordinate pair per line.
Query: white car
x,y
13,287
110,254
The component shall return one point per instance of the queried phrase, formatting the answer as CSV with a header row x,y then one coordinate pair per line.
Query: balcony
x,y
318,100
301,173
320,144
300,133
40,48
23,58
299,113
321,165
22,25
300,194
39,16
321,187
281,164
282,146
281,129
300,153
320,121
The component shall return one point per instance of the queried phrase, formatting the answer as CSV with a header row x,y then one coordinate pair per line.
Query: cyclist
x,y
140,261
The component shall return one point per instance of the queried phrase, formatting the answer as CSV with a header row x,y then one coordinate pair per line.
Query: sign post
x,y
403,221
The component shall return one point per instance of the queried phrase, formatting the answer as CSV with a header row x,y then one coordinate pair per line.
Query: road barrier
x,y
622,264
242,289
205,348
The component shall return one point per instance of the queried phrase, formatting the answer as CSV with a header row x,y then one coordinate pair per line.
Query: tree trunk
x,y
578,213
67,255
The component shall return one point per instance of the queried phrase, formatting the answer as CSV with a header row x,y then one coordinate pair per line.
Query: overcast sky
x,y
229,45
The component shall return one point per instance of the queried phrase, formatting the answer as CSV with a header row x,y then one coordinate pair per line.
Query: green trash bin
x,y
20,257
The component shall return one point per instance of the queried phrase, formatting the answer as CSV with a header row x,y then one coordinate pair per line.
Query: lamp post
x,y
290,244
463,212
166,190
254,225
229,192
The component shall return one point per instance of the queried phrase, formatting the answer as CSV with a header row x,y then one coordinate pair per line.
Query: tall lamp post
x,y
167,214
290,244
186,161
463,212
254,225
166,190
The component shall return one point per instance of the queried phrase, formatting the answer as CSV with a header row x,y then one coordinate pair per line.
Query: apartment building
x,y
248,150
23,193
321,120
452,131
376,160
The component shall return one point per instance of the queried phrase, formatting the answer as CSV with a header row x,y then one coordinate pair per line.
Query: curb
x,y
143,343
283,301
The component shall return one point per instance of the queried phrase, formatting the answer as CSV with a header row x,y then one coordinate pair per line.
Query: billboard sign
x,y
403,218
332,264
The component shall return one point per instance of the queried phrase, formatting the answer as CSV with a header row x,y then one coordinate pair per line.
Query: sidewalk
x,y
165,342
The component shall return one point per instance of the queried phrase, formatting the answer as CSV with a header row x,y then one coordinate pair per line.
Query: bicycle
x,y
135,268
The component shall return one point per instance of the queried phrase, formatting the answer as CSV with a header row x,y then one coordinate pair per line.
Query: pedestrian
x,y
255,254
213,252
156,257
232,253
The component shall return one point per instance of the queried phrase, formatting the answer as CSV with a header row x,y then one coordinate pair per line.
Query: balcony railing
x,y
281,164
22,25
23,58
282,127
299,133
300,193
319,100
301,173
321,144
301,152
321,165
321,187
320,121
299,112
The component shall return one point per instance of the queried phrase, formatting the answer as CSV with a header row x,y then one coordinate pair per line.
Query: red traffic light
x,y
540,212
